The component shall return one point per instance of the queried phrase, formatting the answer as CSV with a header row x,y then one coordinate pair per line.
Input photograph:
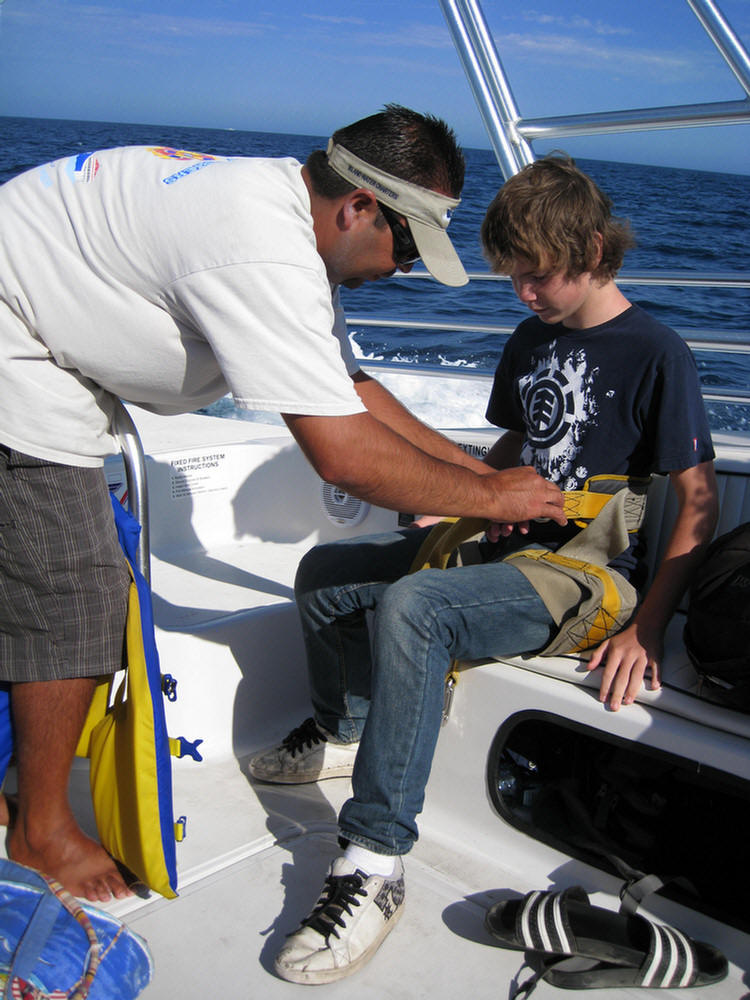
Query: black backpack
x,y
717,632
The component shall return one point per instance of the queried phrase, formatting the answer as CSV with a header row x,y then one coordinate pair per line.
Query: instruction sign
x,y
193,475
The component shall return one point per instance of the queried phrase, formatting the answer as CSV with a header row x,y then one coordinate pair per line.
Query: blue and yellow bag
x,y
127,744
6,730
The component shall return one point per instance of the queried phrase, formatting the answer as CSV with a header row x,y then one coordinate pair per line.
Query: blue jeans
x,y
384,684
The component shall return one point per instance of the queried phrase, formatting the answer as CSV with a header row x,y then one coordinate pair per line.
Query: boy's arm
x,y
506,451
627,655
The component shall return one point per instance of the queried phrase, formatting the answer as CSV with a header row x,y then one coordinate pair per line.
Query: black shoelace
x,y
303,736
339,895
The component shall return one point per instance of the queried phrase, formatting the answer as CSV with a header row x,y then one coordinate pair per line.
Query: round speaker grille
x,y
341,507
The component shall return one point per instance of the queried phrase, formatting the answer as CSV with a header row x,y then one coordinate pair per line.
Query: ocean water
x,y
682,219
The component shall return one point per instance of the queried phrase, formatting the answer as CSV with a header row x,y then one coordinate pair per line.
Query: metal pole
x,y
724,38
135,475
489,84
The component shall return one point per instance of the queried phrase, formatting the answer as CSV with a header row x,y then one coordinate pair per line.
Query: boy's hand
x,y
502,529
426,520
495,529
627,658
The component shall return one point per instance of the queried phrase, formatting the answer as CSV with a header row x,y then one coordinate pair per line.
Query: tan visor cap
x,y
428,212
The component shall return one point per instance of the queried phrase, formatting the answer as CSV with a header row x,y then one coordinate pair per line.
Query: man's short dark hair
x,y
418,148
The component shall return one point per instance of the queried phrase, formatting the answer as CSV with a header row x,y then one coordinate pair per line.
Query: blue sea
x,y
683,220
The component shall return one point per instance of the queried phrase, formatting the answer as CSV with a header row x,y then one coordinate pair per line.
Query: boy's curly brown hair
x,y
549,213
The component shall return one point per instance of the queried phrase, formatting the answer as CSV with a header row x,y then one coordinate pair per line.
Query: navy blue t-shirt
x,y
622,398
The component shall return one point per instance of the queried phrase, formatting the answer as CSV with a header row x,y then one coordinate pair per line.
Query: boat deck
x,y
255,855
255,859
253,865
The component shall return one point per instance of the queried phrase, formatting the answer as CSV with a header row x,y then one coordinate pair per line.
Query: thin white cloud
x,y
193,27
104,23
630,60
333,19
410,36
576,21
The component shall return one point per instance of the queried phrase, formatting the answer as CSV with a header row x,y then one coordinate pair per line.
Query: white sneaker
x,y
346,927
305,755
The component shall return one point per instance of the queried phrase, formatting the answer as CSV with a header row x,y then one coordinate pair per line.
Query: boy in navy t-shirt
x,y
590,385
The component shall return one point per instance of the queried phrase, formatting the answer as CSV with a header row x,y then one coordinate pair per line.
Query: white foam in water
x,y
437,401
448,401
441,402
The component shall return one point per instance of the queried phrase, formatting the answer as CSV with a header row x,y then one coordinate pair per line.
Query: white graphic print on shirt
x,y
559,409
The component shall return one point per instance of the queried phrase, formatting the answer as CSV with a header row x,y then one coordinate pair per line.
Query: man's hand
x,y
522,495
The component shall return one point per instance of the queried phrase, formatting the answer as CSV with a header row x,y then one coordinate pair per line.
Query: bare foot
x,y
79,863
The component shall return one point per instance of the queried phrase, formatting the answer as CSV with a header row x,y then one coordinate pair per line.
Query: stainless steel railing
x,y
135,475
512,136
708,341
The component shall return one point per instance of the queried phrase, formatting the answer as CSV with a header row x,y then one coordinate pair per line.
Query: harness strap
x,y
587,600
584,505
602,620
442,543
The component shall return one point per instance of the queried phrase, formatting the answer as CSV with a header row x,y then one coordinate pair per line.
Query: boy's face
x,y
554,297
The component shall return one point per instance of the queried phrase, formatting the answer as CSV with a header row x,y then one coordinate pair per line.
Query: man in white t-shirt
x,y
167,278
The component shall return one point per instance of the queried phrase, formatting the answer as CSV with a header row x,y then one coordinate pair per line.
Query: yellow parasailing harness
x,y
588,601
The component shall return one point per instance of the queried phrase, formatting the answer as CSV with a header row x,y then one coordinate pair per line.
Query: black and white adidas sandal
x,y
626,949
538,923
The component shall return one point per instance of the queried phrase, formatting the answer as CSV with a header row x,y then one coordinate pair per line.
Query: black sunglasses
x,y
404,248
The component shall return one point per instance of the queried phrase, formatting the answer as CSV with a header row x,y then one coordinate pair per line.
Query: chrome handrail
x,y
719,279
722,35
642,120
709,341
716,341
467,373
489,83
511,136
379,368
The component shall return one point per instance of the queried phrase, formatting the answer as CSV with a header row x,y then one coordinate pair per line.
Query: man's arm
x,y
371,461
505,454
384,406
627,655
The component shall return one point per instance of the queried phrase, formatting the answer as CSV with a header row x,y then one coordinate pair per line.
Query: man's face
x,y
370,254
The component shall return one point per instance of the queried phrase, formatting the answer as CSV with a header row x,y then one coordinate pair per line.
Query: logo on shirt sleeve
x,y
169,153
196,161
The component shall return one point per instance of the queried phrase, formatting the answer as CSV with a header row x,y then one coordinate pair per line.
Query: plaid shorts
x,y
63,577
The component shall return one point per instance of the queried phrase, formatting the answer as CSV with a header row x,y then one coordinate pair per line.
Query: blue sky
x,y
307,67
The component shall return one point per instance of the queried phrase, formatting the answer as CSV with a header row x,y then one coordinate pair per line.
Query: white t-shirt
x,y
164,278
